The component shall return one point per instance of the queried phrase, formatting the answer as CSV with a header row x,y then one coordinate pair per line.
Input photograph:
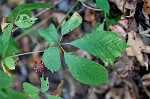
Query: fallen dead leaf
x,y
137,48
120,27
146,83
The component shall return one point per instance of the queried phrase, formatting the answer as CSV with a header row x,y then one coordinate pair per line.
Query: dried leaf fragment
x,y
138,48
146,6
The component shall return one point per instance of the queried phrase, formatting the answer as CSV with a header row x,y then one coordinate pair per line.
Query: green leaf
x,y
12,48
10,63
44,85
53,97
26,7
50,35
112,21
4,39
99,27
31,90
5,80
104,5
25,21
16,94
86,71
3,94
103,44
72,23
108,61
51,59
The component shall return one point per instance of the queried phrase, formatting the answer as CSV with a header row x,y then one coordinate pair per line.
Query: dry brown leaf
x,y
124,66
137,48
131,6
127,90
137,45
59,88
120,4
146,6
146,83
120,27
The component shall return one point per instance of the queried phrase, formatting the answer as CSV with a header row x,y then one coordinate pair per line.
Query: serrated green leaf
x,y
31,90
86,71
51,59
103,44
104,5
5,80
12,17
53,97
72,23
25,21
44,85
10,63
4,39
50,35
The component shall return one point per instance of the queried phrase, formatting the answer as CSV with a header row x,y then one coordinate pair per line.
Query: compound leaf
x,y
86,71
72,23
50,35
103,44
51,59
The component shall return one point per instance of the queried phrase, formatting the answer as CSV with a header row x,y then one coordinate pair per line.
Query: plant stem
x,y
67,14
96,9
33,38
26,53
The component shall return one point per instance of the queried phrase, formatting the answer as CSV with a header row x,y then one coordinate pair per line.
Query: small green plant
x,y
105,45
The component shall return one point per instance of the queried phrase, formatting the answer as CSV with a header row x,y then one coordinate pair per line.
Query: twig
x,y
67,14
26,53
145,32
96,9
33,38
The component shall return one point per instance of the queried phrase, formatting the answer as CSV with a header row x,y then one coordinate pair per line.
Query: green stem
x,y
67,14
33,38
60,44
63,21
